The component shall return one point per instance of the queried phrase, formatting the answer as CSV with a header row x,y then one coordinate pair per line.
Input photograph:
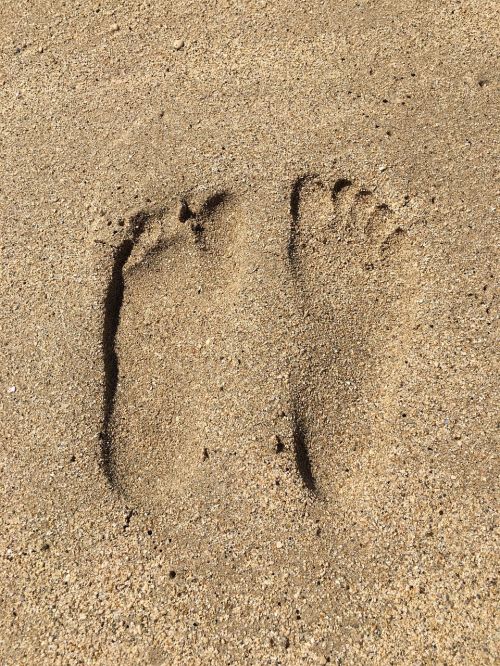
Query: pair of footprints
x,y
333,232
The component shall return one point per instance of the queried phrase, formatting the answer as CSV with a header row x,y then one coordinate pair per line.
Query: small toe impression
x,y
211,220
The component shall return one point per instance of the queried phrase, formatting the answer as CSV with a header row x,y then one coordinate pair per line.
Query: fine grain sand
x,y
249,375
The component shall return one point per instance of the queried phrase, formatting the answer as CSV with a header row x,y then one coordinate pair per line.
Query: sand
x,y
249,379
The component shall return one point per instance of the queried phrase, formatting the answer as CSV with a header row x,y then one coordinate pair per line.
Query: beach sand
x,y
249,379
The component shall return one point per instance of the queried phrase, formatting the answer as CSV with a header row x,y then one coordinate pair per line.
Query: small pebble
x,y
11,389
115,27
178,44
284,642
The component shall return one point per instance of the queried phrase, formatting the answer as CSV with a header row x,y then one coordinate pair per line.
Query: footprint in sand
x,y
173,287
172,275
348,256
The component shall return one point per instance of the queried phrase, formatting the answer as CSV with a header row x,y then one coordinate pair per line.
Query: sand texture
x,y
249,332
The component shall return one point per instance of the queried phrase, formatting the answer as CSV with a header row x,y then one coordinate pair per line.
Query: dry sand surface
x,y
248,326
